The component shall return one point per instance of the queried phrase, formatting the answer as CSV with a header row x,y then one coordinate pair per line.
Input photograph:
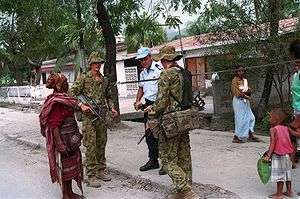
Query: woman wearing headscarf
x,y
243,116
59,127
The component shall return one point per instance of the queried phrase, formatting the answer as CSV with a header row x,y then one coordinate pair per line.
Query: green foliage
x,y
5,77
143,30
190,6
6,80
122,12
198,27
33,31
233,15
173,21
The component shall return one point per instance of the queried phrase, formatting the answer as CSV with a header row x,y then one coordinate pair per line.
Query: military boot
x,y
189,194
151,164
102,175
93,182
162,172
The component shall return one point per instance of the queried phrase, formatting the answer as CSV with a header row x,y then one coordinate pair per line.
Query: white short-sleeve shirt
x,y
150,88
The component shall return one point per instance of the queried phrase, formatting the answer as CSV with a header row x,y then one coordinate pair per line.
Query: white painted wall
x,y
122,89
24,94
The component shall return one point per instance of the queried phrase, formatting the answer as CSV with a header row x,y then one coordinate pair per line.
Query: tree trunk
x,y
17,75
110,47
79,21
271,54
82,64
257,10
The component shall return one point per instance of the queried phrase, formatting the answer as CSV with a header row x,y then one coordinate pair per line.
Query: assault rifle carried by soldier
x,y
94,107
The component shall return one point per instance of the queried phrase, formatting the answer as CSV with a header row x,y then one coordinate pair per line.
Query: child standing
x,y
279,152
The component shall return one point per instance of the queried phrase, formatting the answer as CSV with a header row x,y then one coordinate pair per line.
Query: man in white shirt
x,y
148,90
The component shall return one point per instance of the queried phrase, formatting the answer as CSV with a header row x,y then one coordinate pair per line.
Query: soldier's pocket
x,y
84,133
109,120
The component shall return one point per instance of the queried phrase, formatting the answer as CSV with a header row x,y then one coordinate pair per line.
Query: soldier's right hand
x,y
137,105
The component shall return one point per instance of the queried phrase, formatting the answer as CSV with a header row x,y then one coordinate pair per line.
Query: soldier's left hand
x,y
114,112
85,108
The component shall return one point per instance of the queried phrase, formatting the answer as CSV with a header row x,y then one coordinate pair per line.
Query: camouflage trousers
x,y
175,155
94,139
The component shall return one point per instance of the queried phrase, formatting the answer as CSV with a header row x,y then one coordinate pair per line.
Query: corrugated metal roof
x,y
212,39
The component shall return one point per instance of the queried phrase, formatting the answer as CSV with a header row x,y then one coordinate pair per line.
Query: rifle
x,y
146,132
142,138
93,105
143,106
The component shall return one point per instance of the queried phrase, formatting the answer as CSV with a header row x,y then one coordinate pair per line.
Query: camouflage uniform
x,y
94,133
174,152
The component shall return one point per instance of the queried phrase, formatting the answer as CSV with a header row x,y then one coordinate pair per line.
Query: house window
x,y
131,75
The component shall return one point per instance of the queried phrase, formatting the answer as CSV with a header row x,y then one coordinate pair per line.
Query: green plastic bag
x,y
264,170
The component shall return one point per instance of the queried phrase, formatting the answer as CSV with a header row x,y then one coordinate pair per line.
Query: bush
x,y
6,80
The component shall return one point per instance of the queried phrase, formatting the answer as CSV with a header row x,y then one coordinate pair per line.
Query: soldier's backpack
x,y
187,92
188,118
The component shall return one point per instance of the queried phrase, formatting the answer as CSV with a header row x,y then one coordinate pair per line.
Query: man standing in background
x,y
148,90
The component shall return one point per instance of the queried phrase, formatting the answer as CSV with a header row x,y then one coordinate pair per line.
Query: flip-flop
x,y
254,139
275,197
238,141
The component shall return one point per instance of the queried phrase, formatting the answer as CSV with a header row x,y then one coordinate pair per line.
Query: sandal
x,y
252,138
237,140
275,197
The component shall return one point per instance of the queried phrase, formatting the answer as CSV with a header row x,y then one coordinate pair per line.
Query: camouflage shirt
x,y
98,90
169,87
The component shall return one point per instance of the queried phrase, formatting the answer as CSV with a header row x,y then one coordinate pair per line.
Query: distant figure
x,y
63,139
243,117
279,152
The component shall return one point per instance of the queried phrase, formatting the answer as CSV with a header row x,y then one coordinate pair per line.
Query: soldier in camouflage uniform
x,y
174,152
96,87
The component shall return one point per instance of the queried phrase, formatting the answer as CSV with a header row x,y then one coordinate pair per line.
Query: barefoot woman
x,y
63,139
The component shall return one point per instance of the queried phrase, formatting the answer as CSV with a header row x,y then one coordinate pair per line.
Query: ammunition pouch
x,y
180,122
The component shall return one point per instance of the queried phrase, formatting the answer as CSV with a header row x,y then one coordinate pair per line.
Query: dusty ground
x,y
24,174
218,164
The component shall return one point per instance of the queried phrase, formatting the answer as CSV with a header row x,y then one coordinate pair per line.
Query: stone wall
x,y
223,112
223,98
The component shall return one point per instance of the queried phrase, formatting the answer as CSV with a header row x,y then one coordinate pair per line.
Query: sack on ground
x,y
180,122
